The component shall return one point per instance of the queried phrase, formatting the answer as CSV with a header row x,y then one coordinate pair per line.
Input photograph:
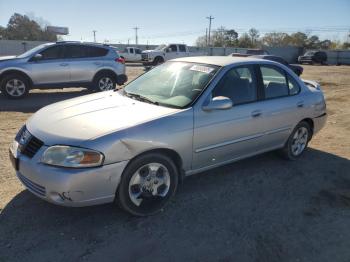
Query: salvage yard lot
x,y
260,209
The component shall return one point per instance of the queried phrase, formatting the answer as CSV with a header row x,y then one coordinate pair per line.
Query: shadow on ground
x,y
36,100
260,209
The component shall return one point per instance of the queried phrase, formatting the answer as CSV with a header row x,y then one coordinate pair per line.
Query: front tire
x,y
297,141
15,86
147,184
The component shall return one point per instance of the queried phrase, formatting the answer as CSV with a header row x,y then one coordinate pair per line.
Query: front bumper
x,y
70,186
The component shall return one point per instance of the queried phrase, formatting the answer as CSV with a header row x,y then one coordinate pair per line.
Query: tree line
x,y
22,27
223,37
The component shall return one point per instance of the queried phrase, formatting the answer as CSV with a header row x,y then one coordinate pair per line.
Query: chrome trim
x,y
228,143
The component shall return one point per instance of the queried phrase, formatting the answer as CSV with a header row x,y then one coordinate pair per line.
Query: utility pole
x,y
206,37
209,18
136,38
94,31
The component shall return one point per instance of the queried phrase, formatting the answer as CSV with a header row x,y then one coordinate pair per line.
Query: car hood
x,y
152,51
92,116
6,58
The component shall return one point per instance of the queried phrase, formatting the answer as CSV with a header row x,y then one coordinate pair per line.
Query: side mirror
x,y
218,103
37,57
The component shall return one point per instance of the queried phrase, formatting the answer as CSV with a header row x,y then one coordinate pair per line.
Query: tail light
x,y
120,60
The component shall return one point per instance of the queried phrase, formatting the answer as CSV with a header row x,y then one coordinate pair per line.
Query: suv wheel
x,y
147,184
104,82
14,86
158,60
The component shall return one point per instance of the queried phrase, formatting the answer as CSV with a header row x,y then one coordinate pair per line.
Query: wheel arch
x,y
310,122
172,154
16,71
105,71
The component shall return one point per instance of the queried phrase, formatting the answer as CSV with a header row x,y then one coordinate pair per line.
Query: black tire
x,y
110,85
287,151
158,60
150,204
18,80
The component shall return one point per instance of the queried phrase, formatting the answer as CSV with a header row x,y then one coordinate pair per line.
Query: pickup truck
x,y
163,53
131,54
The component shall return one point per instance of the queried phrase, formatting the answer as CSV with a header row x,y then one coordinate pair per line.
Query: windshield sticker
x,y
203,69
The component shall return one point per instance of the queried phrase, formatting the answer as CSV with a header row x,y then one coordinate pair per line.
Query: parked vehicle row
x,y
185,116
62,64
164,53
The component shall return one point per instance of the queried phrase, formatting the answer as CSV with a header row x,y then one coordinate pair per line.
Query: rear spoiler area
x,y
312,84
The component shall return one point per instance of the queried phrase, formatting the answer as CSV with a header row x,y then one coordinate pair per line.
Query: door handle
x,y
64,64
300,104
256,113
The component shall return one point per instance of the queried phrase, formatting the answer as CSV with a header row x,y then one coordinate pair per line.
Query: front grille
x,y
29,145
33,187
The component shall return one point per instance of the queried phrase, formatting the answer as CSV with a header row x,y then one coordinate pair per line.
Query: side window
x,y
275,83
138,51
173,48
55,52
239,85
96,51
293,86
75,51
131,50
182,48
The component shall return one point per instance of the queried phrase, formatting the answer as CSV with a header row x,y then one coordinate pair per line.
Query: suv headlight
x,y
67,156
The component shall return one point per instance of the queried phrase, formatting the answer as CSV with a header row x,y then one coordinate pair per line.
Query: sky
x,y
182,21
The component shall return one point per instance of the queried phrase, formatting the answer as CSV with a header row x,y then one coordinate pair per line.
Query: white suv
x,y
62,64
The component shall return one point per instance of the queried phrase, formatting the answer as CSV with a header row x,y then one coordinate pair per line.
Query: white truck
x,y
163,53
131,54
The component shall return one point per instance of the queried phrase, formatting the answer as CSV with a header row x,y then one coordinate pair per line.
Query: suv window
x,y
173,48
131,50
55,52
138,51
238,84
94,51
182,48
81,51
275,82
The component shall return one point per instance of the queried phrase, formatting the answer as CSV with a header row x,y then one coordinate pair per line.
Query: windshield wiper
x,y
141,98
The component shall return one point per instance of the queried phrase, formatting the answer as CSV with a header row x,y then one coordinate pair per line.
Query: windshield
x,y
32,51
310,53
173,84
160,47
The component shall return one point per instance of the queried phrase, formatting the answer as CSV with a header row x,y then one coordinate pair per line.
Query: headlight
x,y
67,156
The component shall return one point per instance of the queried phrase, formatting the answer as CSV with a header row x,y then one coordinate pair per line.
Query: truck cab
x,y
131,54
163,53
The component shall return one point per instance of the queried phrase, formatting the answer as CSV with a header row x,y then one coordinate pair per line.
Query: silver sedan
x,y
135,145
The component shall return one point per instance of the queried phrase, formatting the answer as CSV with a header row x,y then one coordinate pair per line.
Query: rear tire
x,y
104,82
147,184
14,86
297,141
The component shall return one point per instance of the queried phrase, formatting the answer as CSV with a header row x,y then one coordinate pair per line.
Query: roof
x,y
217,60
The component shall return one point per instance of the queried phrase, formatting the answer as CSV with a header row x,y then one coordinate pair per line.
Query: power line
x,y
210,18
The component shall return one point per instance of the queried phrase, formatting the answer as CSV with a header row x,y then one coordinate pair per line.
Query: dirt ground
x,y
260,209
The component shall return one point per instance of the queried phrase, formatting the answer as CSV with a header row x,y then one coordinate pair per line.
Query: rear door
x,y
282,107
52,68
84,61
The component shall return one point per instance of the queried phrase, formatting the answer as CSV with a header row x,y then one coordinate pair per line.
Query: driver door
x,y
52,68
227,134
171,52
